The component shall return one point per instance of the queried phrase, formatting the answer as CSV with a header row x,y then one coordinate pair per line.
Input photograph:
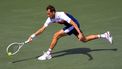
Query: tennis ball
x,y
9,53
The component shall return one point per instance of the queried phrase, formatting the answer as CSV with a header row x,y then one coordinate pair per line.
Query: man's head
x,y
50,11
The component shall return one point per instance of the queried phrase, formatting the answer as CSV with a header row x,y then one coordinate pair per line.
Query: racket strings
x,y
14,48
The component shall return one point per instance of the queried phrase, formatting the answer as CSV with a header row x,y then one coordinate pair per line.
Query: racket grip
x,y
26,41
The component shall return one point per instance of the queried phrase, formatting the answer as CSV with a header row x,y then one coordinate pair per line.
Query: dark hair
x,y
52,9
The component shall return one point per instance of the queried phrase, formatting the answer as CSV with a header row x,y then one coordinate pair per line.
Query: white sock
x,y
101,36
49,51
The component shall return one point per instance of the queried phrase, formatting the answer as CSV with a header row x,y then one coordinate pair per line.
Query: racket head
x,y
13,48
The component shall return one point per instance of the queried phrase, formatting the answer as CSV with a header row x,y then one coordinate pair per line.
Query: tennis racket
x,y
14,47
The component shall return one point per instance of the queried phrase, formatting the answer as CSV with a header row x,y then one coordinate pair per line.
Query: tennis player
x,y
72,26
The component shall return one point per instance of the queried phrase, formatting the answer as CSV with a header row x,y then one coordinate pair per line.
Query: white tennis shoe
x,y
45,56
108,36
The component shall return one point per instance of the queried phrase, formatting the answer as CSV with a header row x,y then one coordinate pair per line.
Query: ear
x,y
53,12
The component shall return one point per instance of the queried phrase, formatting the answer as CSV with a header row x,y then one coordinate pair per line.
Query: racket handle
x,y
26,41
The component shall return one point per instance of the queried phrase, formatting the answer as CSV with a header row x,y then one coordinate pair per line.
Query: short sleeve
x,y
47,22
65,17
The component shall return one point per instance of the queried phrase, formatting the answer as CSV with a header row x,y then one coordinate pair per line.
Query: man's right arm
x,y
38,32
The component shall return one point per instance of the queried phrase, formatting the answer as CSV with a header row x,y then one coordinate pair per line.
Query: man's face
x,y
50,14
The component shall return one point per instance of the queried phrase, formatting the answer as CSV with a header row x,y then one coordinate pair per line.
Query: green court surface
x,y
20,18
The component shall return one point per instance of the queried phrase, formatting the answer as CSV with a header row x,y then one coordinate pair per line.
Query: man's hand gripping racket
x,y
14,47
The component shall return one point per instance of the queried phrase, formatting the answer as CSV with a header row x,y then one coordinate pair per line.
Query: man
x,y
72,26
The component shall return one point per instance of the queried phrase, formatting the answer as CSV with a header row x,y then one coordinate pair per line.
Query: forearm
x,y
75,26
38,32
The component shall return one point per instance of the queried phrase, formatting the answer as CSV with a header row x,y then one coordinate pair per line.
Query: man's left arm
x,y
76,27
69,20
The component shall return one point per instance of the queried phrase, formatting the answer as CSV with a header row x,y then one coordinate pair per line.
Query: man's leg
x,y
88,38
57,35
106,35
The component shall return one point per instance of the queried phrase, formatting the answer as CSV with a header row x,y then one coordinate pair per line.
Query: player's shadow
x,y
25,59
85,51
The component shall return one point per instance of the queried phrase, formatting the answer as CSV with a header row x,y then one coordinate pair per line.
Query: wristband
x,y
33,35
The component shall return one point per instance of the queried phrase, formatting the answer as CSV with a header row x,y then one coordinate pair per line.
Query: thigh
x,y
68,30
71,30
60,33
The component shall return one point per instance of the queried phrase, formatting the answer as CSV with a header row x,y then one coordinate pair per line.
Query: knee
x,y
83,40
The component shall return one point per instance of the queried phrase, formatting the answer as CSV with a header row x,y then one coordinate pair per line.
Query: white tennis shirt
x,y
59,16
